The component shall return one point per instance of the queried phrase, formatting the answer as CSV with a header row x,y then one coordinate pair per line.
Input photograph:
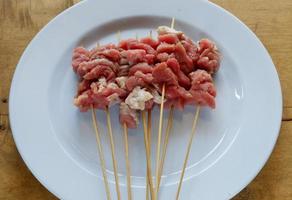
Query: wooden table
x,y
271,20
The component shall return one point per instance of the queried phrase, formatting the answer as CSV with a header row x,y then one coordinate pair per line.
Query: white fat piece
x,y
137,98
161,30
101,84
122,81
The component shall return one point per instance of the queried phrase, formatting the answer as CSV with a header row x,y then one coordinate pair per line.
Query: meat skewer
x,y
159,135
149,127
125,130
209,60
168,129
147,139
101,154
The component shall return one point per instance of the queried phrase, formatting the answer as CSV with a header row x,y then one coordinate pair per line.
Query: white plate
x,y
232,143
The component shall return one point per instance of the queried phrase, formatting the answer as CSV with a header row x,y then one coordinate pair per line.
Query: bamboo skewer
x,y
101,154
149,127
113,152
188,151
159,139
164,148
125,130
146,137
127,162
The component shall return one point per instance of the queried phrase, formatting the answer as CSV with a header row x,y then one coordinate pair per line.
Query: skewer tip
x,y
172,22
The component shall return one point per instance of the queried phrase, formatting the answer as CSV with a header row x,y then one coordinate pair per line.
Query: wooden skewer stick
x,y
172,22
188,151
149,127
149,173
127,162
159,140
164,148
125,129
101,154
109,126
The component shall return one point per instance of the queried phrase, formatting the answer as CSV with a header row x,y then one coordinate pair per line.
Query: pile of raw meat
x,y
133,72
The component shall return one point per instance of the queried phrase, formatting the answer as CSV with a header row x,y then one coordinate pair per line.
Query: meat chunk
x,y
191,49
170,38
150,58
209,57
183,80
150,41
109,51
124,43
134,56
100,71
82,86
100,94
139,79
162,57
111,54
84,101
143,67
123,70
165,47
80,55
203,90
86,67
128,116
140,45
181,55
162,74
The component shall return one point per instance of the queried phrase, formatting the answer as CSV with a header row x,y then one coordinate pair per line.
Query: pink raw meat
x,y
203,89
80,55
134,56
168,38
128,116
150,41
183,80
143,67
162,74
181,55
209,57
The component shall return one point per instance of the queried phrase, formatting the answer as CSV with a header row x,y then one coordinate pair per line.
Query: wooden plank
x,y
275,180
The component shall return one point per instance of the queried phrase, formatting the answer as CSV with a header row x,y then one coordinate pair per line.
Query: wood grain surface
x,y
271,20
